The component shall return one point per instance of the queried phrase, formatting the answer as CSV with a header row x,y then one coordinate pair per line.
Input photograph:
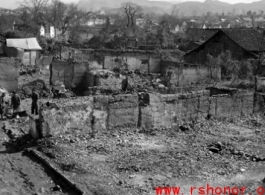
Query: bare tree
x,y
35,7
71,16
131,10
63,16
55,12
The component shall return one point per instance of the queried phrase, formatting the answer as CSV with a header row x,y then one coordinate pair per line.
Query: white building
x,y
100,21
90,22
42,31
52,31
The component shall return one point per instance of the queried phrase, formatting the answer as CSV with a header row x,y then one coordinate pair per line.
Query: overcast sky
x,y
13,3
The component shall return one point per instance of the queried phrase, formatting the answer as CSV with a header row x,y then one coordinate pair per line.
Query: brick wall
x,y
163,111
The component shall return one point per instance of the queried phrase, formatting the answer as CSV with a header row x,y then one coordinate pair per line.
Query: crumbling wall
x,y
79,75
9,73
168,110
106,79
133,62
73,115
130,62
189,74
70,73
172,109
160,111
61,71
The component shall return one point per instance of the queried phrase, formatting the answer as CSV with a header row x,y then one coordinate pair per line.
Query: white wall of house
x,y
42,31
90,22
52,31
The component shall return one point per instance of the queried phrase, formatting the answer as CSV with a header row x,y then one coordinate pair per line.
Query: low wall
x,y
190,74
76,75
131,60
127,111
9,73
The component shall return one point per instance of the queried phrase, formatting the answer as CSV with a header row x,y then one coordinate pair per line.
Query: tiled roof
x,y
199,35
249,39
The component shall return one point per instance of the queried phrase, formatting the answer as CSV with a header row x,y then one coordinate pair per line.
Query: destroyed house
x,y
242,43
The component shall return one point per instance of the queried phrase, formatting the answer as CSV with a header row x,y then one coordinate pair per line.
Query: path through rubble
x,y
20,175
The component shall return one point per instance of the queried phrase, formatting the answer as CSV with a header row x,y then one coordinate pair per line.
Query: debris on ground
x,y
139,162
26,90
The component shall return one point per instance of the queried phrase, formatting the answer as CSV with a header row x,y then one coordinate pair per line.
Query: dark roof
x,y
198,35
248,39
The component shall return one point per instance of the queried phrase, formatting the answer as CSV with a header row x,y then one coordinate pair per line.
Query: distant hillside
x,y
148,6
214,6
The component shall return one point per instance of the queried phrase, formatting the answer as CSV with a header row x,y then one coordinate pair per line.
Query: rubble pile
x,y
25,91
59,91
102,82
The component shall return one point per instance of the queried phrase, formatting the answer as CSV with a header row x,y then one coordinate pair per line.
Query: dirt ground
x,y
220,153
20,175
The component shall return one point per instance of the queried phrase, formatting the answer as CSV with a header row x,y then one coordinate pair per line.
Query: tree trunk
x,y
128,20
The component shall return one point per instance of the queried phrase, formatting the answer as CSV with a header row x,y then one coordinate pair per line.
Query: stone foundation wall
x,y
162,111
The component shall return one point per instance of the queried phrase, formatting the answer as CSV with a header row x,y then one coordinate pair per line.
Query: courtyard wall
x,y
127,111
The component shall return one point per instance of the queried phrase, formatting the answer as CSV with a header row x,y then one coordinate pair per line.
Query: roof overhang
x,y
27,43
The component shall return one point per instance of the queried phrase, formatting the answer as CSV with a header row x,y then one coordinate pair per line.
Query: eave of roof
x,y
26,43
